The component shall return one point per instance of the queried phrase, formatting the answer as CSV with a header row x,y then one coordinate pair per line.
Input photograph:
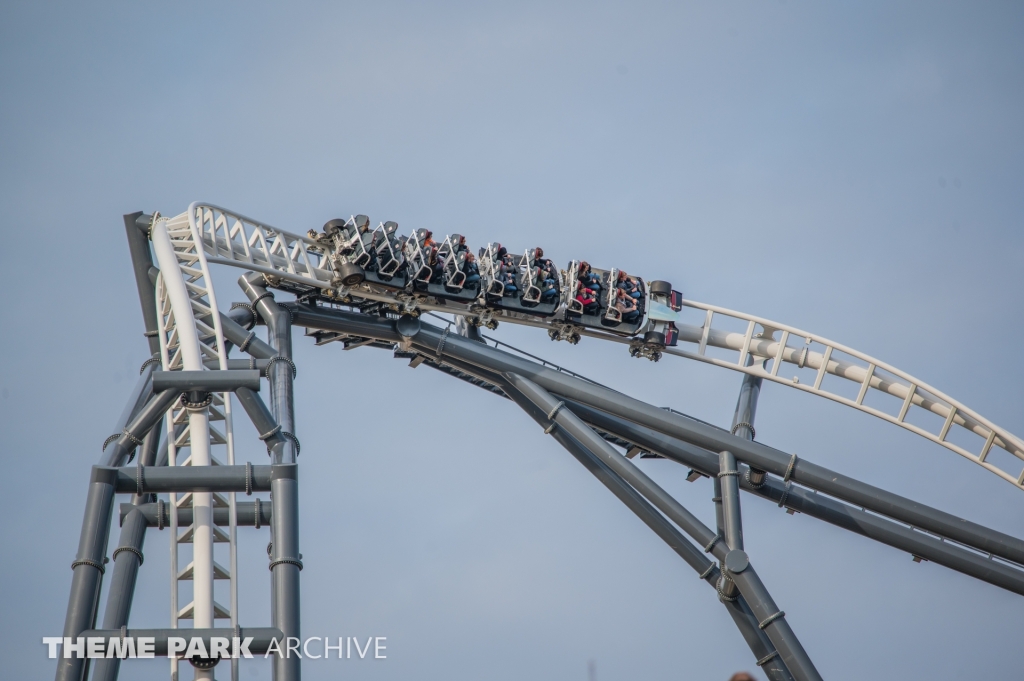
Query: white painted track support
x,y
186,306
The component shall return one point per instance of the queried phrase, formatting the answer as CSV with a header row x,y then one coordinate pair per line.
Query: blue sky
x,y
852,169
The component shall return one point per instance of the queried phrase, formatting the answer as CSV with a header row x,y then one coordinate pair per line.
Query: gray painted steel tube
x,y
746,404
622,466
266,427
213,381
88,567
281,373
236,334
140,425
235,364
141,394
158,479
147,457
428,340
729,477
142,261
126,559
352,323
829,510
770,619
815,505
621,489
285,564
245,514
597,464
262,636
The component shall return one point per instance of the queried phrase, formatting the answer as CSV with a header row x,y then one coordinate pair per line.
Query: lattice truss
x,y
217,432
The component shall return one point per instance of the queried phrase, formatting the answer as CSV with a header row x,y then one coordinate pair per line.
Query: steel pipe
x,y
211,381
127,560
597,462
770,619
245,514
88,566
755,454
201,479
142,262
285,564
815,505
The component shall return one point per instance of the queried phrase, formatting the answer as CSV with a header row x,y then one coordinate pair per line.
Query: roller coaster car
x,y
603,313
388,266
361,254
515,283
664,304
440,270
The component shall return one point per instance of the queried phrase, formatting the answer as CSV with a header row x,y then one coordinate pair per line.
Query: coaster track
x,y
299,264
340,298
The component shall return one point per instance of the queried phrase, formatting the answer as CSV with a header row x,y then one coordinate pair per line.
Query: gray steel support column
x,y
247,514
679,446
814,505
142,261
770,619
266,426
731,529
746,405
244,339
757,640
427,339
160,479
728,475
792,654
127,559
89,566
285,564
140,425
693,556
141,394
281,373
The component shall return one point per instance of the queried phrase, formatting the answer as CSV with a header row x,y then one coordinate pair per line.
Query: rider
x,y
626,306
588,278
472,271
508,272
586,298
547,276
625,283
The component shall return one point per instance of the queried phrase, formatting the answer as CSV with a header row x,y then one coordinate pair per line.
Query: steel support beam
x,y
556,418
268,429
209,381
89,566
285,564
142,262
427,339
127,559
282,372
143,421
158,479
815,505
247,514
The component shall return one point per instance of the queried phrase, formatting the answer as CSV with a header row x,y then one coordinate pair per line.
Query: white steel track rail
x,y
190,332
229,238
